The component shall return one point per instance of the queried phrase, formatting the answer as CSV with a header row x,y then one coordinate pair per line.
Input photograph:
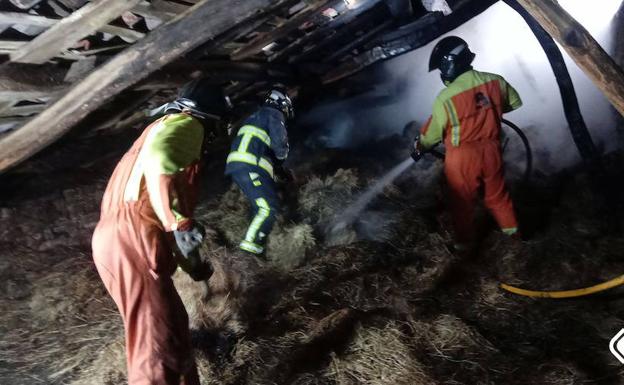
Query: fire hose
x,y
528,169
565,293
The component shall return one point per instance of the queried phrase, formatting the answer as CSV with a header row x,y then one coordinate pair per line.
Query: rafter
x,y
200,23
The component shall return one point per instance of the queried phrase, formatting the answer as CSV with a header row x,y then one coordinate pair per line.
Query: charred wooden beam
x,y
419,33
16,79
69,30
256,45
242,29
346,23
200,23
581,47
358,41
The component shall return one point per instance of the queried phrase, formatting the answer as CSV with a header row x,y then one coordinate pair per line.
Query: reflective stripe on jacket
x,y
469,109
260,140
162,166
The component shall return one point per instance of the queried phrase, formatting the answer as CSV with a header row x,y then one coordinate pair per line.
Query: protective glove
x,y
417,151
190,240
188,243
283,173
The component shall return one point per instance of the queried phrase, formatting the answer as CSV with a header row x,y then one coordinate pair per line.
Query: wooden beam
x,y
581,47
69,30
200,23
256,45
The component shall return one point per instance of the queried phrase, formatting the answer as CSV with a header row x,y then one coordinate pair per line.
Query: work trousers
x,y
260,190
468,168
135,262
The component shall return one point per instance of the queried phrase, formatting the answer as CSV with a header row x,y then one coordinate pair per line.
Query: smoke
x,y
402,90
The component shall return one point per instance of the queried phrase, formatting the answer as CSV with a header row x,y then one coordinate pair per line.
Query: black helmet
x,y
278,98
452,57
201,98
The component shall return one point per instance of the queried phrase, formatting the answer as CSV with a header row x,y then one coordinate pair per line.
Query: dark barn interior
x,y
362,284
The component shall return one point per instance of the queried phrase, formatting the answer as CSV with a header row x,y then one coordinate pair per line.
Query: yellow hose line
x,y
565,293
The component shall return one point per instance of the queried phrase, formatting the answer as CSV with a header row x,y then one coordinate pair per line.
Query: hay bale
x,y
560,373
109,368
378,356
229,215
449,337
321,199
288,246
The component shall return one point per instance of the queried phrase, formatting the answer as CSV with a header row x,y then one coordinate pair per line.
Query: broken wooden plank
x,y
582,48
69,30
10,18
9,47
200,23
22,110
256,45
26,19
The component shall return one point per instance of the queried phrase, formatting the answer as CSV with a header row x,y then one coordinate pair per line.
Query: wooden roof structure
x,y
64,59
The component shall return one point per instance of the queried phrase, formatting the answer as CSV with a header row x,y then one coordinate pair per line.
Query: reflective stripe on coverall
x,y
467,117
152,191
261,139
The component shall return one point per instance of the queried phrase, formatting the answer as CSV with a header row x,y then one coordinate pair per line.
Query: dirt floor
x,y
384,301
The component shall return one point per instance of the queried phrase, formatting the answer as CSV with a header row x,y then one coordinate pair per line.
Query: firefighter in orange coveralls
x,y
467,117
146,209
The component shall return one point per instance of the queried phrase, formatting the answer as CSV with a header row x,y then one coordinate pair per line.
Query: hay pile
x,y
402,309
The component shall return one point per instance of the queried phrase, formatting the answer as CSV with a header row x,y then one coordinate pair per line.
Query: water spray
x,y
353,211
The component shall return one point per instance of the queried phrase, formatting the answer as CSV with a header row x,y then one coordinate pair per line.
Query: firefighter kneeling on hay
x,y
467,116
256,157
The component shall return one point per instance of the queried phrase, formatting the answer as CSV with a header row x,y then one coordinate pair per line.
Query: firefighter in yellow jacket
x,y
146,213
467,117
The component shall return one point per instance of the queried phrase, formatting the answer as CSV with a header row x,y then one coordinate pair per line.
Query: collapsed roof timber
x,y
67,58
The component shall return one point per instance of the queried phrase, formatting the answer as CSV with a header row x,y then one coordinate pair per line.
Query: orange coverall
x,y
152,192
467,117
